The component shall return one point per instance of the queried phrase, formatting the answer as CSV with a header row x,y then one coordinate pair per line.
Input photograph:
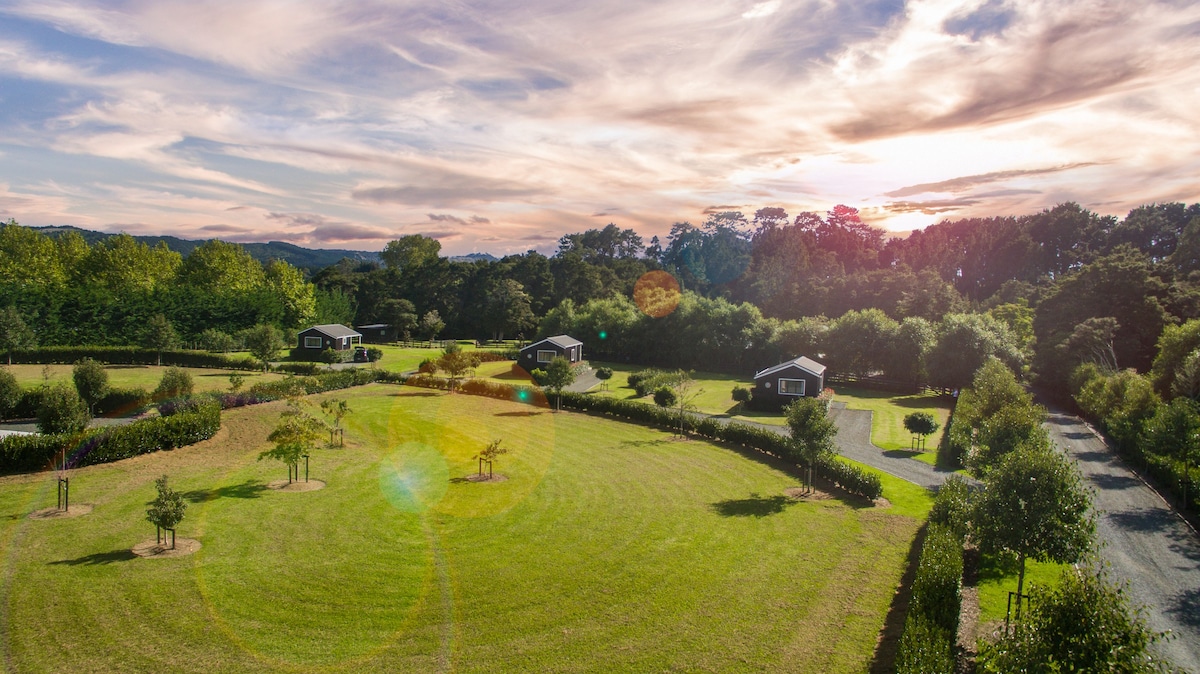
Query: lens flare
x,y
656,294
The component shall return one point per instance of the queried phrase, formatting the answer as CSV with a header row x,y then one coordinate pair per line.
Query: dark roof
x,y
334,330
561,341
803,362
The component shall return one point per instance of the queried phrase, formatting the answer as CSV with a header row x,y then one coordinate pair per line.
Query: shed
x,y
789,380
540,353
377,333
334,336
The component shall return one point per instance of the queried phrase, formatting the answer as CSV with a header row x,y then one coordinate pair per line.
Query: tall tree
x,y
91,382
219,267
1034,506
14,333
160,335
508,309
413,250
559,375
295,295
264,343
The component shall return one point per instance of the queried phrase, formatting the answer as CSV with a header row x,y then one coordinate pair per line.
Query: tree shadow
x,y
1079,436
1092,457
1144,520
523,413
1185,607
1115,481
755,506
883,661
98,558
642,443
247,489
901,453
416,394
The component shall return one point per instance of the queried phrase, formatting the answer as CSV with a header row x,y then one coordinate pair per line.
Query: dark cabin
x,y
377,333
320,337
780,385
539,354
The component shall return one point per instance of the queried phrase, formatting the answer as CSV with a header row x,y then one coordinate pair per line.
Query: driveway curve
x,y
1147,544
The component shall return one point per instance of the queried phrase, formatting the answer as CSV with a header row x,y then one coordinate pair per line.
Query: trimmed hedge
x,y
123,401
932,622
134,355
21,453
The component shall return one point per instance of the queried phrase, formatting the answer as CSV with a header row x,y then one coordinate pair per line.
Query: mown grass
x,y
135,376
996,580
610,547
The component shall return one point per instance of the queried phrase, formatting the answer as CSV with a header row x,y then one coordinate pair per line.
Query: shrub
x,y
121,401
924,648
10,394
61,410
491,356
740,394
538,375
427,366
937,587
331,356
374,354
664,396
952,506
133,355
299,368
216,341
176,382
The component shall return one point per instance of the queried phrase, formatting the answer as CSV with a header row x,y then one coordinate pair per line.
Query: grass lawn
x,y
995,582
405,359
140,376
610,547
887,426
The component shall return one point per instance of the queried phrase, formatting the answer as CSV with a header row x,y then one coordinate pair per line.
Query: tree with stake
x,y
1034,506
604,374
921,425
336,408
489,454
812,432
166,512
236,381
296,434
91,382
685,398
160,335
559,375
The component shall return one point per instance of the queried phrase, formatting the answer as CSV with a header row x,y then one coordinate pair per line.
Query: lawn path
x,y
1147,543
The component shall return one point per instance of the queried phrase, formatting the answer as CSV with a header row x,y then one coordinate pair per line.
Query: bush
x,y
216,341
10,394
61,411
664,396
427,366
937,588
331,356
176,383
492,356
374,354
122,401
299,368
538,375
952,506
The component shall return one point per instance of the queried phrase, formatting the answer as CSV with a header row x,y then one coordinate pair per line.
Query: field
x,y
140,376
608,547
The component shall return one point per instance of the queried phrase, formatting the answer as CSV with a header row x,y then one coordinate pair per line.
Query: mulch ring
x,y
476,477
282,485
162,550
802,494
77,510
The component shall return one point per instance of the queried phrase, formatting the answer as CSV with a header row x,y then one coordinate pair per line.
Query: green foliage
x,y
937,587
14,333
858,342
412,250
91,382
331,356
236,381
431,324
992,417
966,343
132,355
924,647
1084,624
645,382
664,396
1121,403
1175,345
176,383
219,267
456,362
217,341
10,394
160,335
1034,506
264,342
559,374
740,394
920,423
168,507
374,354
293,294
812,429
122,401
604,373
61,411
952,506
294,436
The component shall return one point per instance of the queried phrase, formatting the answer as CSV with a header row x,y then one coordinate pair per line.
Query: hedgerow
x,y
133,355
932,622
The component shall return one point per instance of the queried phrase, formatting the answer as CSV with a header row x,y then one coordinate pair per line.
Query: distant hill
x,y
304,258
474,257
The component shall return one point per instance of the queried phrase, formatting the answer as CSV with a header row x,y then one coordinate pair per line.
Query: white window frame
x,y
783,389
311,342
552,352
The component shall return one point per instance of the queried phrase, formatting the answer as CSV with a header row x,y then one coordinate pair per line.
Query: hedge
x,y
931,626
845,476
134,355
20,453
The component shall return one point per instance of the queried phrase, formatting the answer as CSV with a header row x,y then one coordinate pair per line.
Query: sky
x,y
500,126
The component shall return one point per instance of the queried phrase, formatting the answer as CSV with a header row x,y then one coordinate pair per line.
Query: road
x,y
1147,544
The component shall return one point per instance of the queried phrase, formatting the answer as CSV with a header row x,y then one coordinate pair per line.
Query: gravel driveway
x,y
1147,543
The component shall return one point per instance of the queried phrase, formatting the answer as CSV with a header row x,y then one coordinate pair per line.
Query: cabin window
x,y
791,387
545,356
312,342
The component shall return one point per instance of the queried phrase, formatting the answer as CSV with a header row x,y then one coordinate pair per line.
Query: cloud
x,y
444,217
441,234
713,210
345,231
225,229
929,207
451,191
762,9
967,182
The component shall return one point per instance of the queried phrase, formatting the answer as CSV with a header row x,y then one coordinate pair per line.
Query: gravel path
x,y
1147,544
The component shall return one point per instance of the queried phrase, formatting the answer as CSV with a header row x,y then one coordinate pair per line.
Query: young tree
x,y
264,343
166,511
812,432
91,382
456,363
921,424
14,334
160,335
664,396
559,375
1085,622
176,382
10,393
336,409
1034,506
296,434
61,411
489,454
604,374
236,381
685,398
431,324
